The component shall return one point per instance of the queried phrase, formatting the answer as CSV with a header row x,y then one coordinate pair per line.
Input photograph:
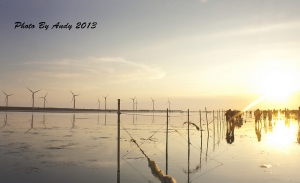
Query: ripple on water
x,y
265,166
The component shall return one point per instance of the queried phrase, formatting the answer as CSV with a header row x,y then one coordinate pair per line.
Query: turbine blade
x,y
4,93
37,91
46,94
71,92
29,89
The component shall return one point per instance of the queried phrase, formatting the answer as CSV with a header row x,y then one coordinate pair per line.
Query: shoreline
x,y
70,110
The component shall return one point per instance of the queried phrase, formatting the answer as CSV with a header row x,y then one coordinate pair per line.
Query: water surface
x,y
82,147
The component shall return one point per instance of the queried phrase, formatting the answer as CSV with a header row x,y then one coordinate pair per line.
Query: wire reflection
x,y
155,170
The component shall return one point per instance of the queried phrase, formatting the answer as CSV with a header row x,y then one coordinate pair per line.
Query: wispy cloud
x,y
58,75
110,69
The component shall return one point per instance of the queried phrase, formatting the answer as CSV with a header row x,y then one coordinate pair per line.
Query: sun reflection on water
x,y
281,133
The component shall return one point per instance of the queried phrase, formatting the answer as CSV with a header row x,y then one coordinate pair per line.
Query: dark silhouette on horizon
x,y
45,100
33,96
73,98
6,97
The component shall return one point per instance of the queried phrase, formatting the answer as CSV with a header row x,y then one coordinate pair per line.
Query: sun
x,y
277,85
276,81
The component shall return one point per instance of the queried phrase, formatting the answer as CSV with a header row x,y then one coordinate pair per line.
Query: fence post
x,y
188,145
214,138
207,133
189,126
118,171
167,141
201,138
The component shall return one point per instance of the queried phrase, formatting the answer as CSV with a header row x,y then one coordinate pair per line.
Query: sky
x,y
197,53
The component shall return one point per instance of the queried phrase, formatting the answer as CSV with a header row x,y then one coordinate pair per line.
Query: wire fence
x,y
202,131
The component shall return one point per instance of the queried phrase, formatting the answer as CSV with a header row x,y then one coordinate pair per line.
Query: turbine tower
x,y
136,105
152,103
99,104
33,95
6,98
45,100
132,103
73,99
169,104
105,100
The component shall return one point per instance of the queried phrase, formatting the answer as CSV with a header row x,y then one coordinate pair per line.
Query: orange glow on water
x,y
281,134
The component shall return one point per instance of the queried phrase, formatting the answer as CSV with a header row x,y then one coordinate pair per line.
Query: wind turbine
x,y
33,96
152,103
45,100
74,97
169,104
6,98
132,103
105,100
99,104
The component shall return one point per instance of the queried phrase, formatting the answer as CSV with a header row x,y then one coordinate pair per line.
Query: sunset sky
x,y
197,53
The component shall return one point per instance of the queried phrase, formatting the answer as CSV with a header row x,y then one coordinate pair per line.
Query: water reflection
x,y
282,135
5,121
152,118
233,119
258,127
230,132
73,121
279,128
298,135
31,126
87,144
44,121
155,170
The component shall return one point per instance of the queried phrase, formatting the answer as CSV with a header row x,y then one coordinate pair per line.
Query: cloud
x,y
121,60
58,75
105,69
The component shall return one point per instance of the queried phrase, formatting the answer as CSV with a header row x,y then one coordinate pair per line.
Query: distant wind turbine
x,y
6,98
133,103
169,104
105,100
99,104
45,100
73,98
152,103
33,95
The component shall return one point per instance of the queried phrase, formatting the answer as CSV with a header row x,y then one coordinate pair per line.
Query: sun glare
x,y
275,81
277,85
282,135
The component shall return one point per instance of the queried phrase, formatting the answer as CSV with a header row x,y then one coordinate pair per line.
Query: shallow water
x,y
82,147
